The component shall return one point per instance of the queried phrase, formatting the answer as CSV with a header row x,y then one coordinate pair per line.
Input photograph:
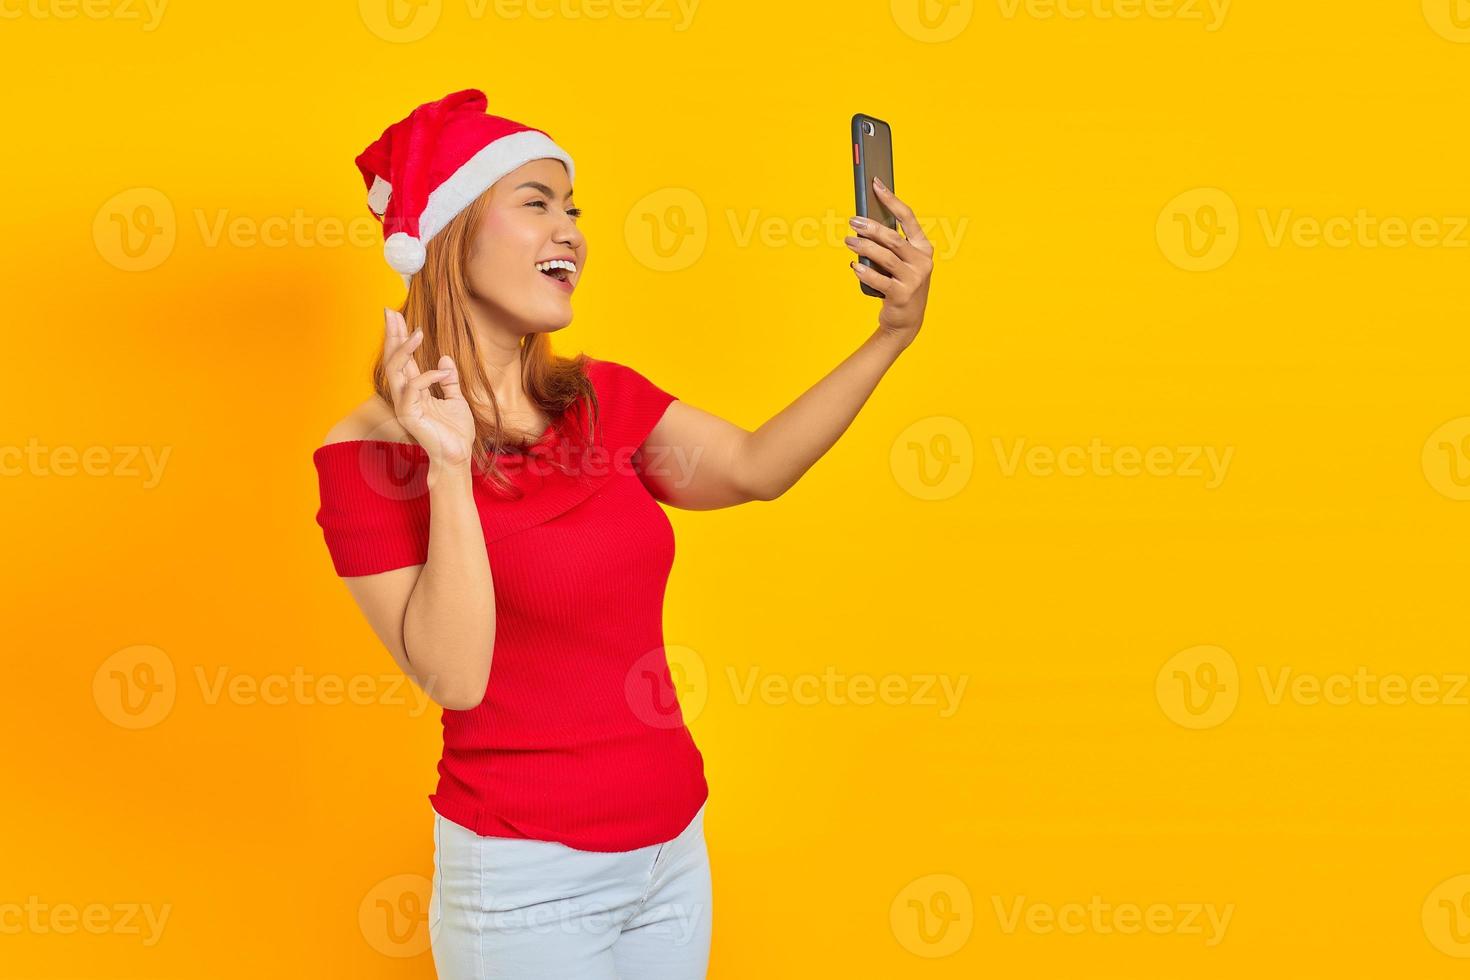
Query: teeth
x,y
556,264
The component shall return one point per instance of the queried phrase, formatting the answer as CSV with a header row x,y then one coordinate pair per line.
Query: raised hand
x,y
908,259
445,427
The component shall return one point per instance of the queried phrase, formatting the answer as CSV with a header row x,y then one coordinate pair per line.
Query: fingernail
x,y
880,183
849,240
857,222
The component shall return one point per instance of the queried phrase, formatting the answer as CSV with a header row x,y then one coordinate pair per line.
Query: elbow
x,y
461,698
764,493
749,477
455,692
748,485
462,685
758,489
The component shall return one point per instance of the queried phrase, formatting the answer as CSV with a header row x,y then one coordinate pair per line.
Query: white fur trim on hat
x,y
479,172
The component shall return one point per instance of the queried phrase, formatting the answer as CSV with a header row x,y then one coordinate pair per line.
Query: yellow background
x,y
847,840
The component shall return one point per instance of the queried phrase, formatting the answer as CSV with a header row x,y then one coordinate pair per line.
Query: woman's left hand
x,y
908,258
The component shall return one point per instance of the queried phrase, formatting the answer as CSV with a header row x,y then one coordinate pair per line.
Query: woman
x,y
494,517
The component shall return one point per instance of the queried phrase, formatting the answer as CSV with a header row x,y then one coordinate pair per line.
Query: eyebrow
x,y
544,189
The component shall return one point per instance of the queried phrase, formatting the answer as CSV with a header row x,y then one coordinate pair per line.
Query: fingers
x,y
395,332
422,382
881,233
876,253
906,219
450,383
884,284
410,366
398,365
904,249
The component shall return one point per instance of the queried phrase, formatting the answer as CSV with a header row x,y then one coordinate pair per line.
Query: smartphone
x,y
872,156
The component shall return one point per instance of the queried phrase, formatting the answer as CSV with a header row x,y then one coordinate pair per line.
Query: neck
x,y
501,354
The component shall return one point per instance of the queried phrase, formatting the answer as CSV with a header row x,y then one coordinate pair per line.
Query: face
x,y
529,221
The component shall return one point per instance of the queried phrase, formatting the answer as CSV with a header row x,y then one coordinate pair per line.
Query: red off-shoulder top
x,y
580,738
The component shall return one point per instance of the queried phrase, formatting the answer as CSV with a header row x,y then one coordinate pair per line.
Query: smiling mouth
x,y
561,279
562,269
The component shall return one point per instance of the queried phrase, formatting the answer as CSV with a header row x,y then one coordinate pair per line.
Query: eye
x,y
574,212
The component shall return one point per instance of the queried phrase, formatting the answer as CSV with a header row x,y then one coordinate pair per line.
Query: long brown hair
x,y
438,302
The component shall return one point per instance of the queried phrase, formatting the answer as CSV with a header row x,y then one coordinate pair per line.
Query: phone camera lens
x,y
867,128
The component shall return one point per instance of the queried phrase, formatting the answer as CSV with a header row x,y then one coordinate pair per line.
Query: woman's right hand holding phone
x,y
907,260
444,427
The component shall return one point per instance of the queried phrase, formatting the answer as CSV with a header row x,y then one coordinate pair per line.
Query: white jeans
x,y
505,908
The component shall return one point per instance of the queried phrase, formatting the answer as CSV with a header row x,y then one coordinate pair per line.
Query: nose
x,y
569,234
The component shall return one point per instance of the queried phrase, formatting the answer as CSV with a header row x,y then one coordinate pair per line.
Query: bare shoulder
x,y
371,419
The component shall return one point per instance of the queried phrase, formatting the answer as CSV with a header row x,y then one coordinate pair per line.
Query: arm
x,y
437,618
698,461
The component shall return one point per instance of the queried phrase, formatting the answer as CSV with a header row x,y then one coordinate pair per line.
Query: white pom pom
x,y
404,253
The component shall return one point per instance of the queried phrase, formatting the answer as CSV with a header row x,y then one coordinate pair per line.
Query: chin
x,y
550,322
563,318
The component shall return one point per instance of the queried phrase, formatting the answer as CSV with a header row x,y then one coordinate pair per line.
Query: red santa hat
x,y
429,167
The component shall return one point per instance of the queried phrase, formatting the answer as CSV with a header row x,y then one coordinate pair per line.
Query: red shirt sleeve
x,y
374,511
630,403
